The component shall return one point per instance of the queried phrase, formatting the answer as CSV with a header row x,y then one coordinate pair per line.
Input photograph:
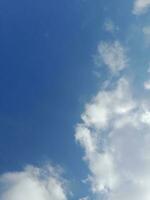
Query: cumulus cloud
x,y
114,134
33,184
141,6
113,55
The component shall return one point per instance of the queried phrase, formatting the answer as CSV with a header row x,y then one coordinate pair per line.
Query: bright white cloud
x,y
113,55
33,184
115,136
141,6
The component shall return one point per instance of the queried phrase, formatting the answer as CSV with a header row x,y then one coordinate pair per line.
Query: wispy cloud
x,y
113,55
141,6
33,184
109,26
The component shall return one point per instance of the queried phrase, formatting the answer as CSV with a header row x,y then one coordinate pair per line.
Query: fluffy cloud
x,y
113,55
33,184
141,6
115,136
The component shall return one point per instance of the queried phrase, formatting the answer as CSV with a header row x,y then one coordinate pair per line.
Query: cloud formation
x,y
33,184
141,6
114,134
113,55
115,128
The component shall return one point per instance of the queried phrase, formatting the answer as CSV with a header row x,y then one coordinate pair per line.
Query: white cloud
x,y
113,55
115,136
110,26
33,184
141,6
100,110
147,85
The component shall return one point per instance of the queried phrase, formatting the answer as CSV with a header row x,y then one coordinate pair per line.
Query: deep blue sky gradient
x,y
46,76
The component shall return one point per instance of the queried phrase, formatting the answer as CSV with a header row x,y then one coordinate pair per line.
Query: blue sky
x,y
74,86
